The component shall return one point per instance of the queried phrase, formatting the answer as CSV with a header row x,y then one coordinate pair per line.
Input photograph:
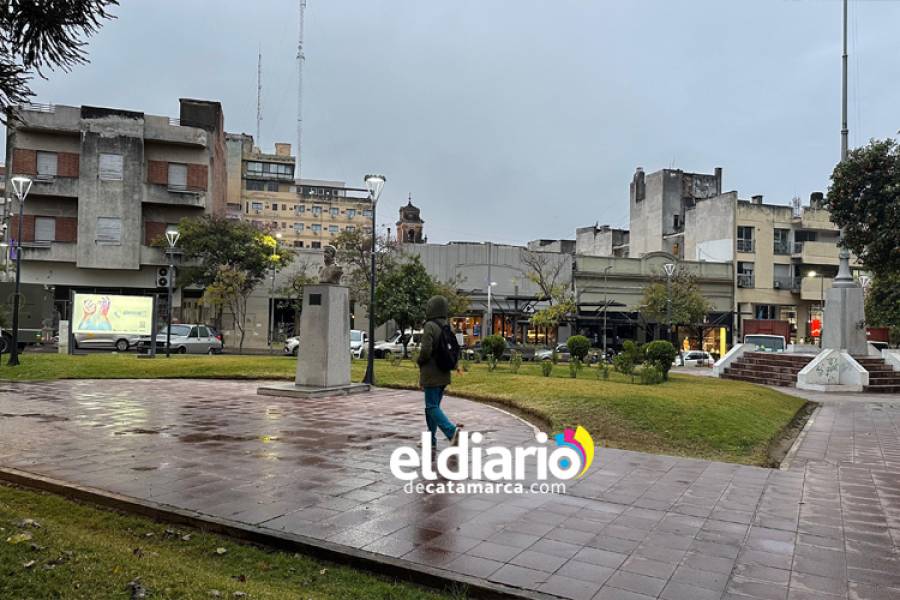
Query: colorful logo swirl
x,y
579,440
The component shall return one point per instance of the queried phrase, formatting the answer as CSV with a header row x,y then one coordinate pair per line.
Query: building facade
x,y
308,213
107,183
784,256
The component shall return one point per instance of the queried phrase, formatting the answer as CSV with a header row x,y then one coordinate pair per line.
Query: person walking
x,y
438,357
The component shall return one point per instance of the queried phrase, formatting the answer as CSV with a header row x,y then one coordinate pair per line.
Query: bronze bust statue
x,y
331,272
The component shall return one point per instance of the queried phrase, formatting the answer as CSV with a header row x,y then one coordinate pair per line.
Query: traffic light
x,y
164,277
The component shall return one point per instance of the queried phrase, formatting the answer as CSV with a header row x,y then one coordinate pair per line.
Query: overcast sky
x,y
516,119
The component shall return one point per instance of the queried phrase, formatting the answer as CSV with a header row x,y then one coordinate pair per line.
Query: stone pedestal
x,y
843,327
323,362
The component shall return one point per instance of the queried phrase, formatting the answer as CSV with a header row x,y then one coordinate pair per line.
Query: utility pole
x,y
488,329
605,307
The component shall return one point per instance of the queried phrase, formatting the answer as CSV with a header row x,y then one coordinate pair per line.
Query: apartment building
x,y
107,184
785,256
309,213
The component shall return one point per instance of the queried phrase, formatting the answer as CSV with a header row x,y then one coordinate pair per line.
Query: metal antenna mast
x,y
300,60
844,129
258,96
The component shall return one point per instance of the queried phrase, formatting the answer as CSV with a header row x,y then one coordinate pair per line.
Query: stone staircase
x,y
882,377
767,368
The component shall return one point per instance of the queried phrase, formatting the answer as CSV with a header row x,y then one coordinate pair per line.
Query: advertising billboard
x,y
96,313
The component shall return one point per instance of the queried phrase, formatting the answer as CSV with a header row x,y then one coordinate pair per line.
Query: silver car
x,y
186,339
106,339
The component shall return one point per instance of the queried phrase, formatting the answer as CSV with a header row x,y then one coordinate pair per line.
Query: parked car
x,y
216,334
766,343
106,339
358,341
292,346
184,339
562,353
694,358
526,352
394,345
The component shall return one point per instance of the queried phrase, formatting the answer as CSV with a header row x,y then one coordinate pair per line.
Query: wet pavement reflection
x,y
636,526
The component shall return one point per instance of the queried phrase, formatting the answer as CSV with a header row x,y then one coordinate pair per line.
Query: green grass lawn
x,y
79,551
690,416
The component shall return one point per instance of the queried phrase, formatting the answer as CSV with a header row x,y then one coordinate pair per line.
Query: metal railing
x,y
745,281
744,245
38,107
782,248
786,283
798,247
174,122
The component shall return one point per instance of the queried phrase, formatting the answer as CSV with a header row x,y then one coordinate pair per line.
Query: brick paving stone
x,y
637,526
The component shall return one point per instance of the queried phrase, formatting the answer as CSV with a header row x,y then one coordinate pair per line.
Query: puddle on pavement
x,y
199,438
42,417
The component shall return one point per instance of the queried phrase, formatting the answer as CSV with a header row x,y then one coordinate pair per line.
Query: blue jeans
x,y
434,416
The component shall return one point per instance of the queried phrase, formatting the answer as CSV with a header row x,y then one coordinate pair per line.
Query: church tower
x,y
409,227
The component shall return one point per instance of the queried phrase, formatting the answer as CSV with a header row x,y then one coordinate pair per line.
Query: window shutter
x,y
157,172
196,177
111,167
177,176
46,164
44,229
24,161
109,229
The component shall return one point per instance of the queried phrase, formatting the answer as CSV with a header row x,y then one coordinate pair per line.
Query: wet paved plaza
x,y
637,526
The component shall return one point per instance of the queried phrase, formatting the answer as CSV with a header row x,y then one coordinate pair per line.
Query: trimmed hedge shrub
x,y
493,345
578,346
660,354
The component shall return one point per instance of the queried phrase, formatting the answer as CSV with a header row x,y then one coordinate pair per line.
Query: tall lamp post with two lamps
x,y
21,187
272,291
374,183
172,236
670,270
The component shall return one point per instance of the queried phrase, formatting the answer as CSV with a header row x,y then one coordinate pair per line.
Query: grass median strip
x,y
701,417
51,547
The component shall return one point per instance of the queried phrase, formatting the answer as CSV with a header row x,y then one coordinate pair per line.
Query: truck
x,y
36,314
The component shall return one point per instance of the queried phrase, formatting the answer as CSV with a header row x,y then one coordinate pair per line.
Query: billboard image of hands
x,y
93,313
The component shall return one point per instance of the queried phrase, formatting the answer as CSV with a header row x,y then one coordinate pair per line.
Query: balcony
x,y
171,131
49,117
811,288
49,251
816,253
786,283
816,219
174,196
746,246
745,281
58,187
782,249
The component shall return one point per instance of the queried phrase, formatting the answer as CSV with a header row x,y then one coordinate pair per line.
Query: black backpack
x,y
446,349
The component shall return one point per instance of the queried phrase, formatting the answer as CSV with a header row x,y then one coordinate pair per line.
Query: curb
x,y
789,457
378,564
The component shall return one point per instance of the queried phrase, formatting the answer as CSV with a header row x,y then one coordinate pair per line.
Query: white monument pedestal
x,y
843,327
323,361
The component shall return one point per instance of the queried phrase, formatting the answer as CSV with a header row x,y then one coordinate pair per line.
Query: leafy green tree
x,y
661,354
883,304
578,346
35,36
401,294
457,301
293,288
689,307
548,270
210,243
864,198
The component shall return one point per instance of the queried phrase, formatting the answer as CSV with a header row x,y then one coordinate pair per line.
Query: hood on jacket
x,y
437,308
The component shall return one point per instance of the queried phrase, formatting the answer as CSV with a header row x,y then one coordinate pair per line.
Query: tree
x,y
210,243
354,253
689,307
883,304
35,36
230,289
578,346
293,288
457,301
864,198
547,271
401,294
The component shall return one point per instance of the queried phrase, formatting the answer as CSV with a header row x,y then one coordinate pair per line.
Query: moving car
x,y
185,339
694,358
106,339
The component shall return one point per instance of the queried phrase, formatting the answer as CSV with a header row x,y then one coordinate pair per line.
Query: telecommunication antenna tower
x,y
300,60
258,96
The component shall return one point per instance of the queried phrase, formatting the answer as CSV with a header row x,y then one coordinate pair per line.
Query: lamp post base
x,y
843,325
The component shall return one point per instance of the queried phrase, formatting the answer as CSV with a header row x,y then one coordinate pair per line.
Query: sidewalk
x,y
637,526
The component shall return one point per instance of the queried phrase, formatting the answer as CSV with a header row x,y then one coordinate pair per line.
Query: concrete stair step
x,y
883,389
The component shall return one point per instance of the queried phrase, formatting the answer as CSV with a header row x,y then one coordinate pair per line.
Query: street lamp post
x,y
21,187
670,269
605,307
272,293
172,236
374,183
